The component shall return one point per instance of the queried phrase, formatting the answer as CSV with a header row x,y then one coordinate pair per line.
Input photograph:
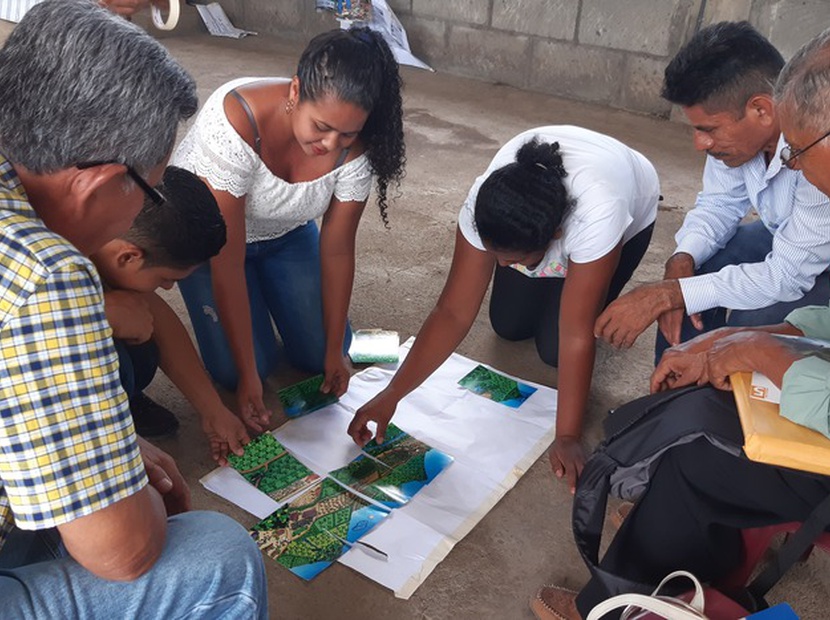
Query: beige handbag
x,y
699,604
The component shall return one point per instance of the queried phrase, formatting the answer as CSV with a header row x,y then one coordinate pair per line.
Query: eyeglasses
x,y
789,156
152,193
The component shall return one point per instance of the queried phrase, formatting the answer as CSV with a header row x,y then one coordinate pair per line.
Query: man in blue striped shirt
x,y
724,270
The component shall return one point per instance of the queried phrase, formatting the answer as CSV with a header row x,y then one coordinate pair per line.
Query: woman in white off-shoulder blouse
x,y
278,153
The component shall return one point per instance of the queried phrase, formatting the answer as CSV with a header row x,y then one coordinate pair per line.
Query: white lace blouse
x,y
214,150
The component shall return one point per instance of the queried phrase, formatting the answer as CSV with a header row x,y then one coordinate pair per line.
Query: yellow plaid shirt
x,y
67,444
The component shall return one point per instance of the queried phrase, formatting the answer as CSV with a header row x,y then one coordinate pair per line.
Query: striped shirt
x,y
793,210
67,444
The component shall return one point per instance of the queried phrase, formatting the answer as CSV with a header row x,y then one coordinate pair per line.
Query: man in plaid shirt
x,y
93,520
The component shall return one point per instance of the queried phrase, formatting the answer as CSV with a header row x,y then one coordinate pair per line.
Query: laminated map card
x,y
312,531
394,471
269,467
304,397
490,447
495,386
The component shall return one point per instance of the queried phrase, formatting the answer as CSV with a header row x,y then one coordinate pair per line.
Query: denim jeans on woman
x,y
209,568
284,286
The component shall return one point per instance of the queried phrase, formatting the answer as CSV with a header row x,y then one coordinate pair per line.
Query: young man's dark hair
x,y
168,239
185,230
721,67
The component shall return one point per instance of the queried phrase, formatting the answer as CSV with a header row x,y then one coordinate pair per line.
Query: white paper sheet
x,y
217,22
386,22
229,483
493,446
763,388
389,26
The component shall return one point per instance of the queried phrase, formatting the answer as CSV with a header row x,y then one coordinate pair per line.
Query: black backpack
x,y
637,434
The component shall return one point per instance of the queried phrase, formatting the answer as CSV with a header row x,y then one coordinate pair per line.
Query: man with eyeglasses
x,y
726,271
94,522
700,496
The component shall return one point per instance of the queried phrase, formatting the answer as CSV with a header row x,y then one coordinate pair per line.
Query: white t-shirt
x,y
213,150
614,187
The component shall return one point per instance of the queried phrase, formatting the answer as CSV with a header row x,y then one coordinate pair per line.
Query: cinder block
x,y
726,11
235,10
400,6
275,16
492,56
577,72
427,38
555,19
465,11
635,25
794,22
641,85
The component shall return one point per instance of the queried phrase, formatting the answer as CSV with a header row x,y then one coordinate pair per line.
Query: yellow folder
x,y
770,438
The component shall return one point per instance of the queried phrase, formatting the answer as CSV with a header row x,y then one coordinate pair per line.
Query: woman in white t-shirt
x,y
278,153
564,215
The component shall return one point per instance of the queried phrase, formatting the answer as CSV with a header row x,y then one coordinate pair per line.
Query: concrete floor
x,y
453,128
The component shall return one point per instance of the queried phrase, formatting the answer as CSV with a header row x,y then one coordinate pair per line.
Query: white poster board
x,y
493,446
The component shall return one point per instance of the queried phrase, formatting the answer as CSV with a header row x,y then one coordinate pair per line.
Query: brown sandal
x,y
555,603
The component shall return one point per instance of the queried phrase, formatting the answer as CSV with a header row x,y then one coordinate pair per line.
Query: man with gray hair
x,y
93,520
699,496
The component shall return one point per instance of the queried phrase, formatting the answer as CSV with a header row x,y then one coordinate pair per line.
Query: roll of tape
x,y
172,17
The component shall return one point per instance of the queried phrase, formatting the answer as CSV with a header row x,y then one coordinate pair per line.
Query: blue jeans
x,y
284,285
210,568
750,244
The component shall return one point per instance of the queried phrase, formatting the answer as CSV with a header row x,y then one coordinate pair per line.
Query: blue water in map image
x,y
435,462
363,521
310,571
524,390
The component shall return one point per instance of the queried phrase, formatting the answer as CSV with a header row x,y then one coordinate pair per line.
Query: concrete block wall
x,y
610,52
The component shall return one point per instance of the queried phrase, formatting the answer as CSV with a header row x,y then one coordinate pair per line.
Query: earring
x,y
289,106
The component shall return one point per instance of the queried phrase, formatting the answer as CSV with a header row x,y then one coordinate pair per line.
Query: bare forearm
x,y
671,296
776,363
122,541
439,336
775,368
337,282
576,365
679,265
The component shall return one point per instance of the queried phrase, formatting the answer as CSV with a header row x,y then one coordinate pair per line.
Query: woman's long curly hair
x,y
521,205
358,67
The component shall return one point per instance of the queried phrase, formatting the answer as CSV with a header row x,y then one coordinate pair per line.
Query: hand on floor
x,y
567,458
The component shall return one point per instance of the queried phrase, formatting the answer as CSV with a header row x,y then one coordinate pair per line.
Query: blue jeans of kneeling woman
x,y
284,286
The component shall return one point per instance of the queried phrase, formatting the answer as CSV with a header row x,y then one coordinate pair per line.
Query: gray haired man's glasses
x,y
152,193
790,156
